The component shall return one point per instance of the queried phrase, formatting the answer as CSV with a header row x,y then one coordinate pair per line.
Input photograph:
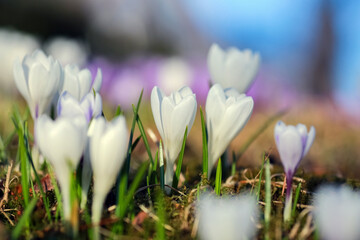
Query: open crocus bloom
x,y
89,107
172,114
108,148
62,142
293,143
38,78
337,213
232,68
227,112
79,82
232,218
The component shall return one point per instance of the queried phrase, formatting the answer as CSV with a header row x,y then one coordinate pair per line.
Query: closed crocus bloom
x,y
90,106
38,78
227,219
79,82
172,114
232,68
62,142
293,143
108,147
337,213
227,112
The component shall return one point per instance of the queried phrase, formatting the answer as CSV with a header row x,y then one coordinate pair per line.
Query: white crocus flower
x,y
227,219
62,142
13,45
232,67
227,112
90,106
337,213
67,51
38,78
79,82
108,148
172,114
293,143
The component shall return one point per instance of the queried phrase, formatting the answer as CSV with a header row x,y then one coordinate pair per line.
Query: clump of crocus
x,y
62,142
293,143
172,114
108,145
38,78
227,112
337,213
89,107
232,67
79,82
227,218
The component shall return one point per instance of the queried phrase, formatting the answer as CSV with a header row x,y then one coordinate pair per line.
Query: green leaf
x,y
218,178
260,178
134,185
204,147
24,219
118,111
123,178
143,135
161,158
180,160
267,195
297,194
256,134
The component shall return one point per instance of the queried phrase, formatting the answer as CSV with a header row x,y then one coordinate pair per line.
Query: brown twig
x,y
5,199
7,189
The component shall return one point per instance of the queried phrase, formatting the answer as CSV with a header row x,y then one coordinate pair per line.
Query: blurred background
x,y
310,51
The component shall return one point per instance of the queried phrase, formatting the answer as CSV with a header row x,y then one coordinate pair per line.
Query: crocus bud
x,y
172,114
38,78
227,112
337,213
293,142
232,68
79,82
62,142
231,218
108,148
90,106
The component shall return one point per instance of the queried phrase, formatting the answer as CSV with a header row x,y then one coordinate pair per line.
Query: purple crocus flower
x,y
293,143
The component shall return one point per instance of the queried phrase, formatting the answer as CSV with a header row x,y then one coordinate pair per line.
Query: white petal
x,y
215,62
279,129
156,101
227,218
84,78
290,148
20,80
310,140
97,81
68,106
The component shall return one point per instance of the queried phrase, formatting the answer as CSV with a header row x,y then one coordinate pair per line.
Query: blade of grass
x,y
267,198
24,219
256,134
297,193
218,178
123,179
260,178
161,158
143,136
204,147
160,230
180,160
134,185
